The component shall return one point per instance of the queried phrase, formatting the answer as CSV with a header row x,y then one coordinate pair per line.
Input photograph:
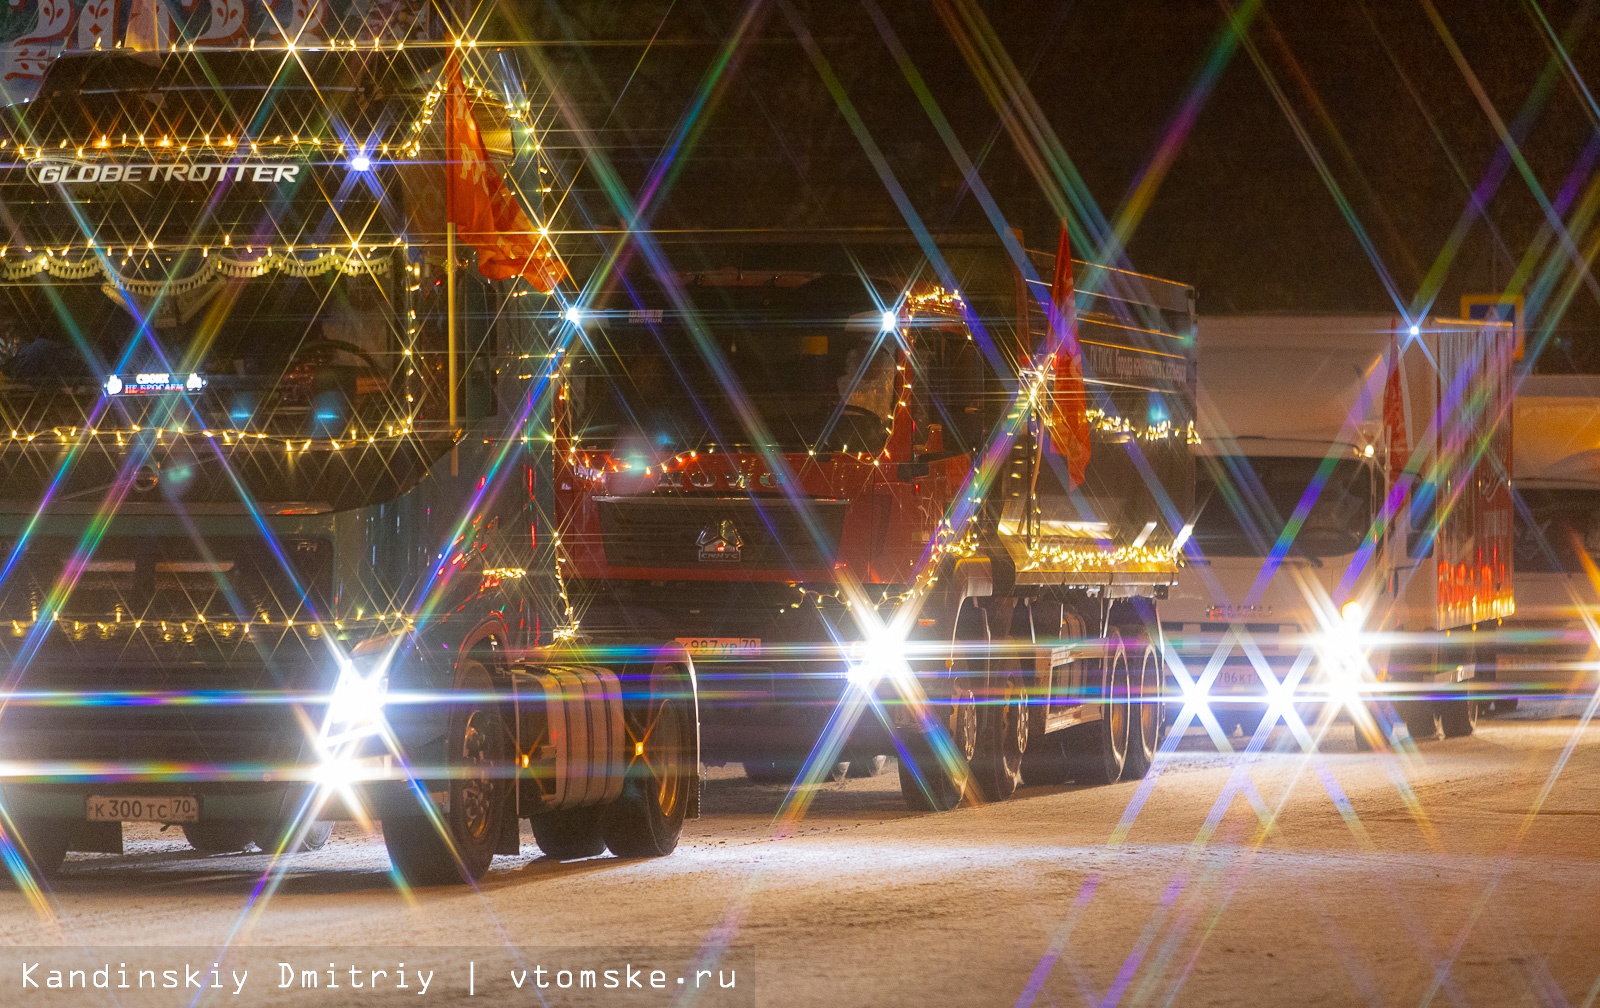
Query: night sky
x,y
1323,160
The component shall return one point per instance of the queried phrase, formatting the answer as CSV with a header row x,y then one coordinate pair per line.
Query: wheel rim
x,y
477,790
964,725
659,749
1149,707
1117,716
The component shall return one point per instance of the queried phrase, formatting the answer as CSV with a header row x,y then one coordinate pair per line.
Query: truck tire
x,y
568,834
219,836
872,766
1458,718
1144,728
458,847
935,776
1421,718
784,772
1045,763
43,846
647,820
312,837
1246,721
1001,744
1097,751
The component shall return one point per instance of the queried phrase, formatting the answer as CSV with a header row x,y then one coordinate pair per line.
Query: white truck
x,y
1285,403
1353,517
1548,646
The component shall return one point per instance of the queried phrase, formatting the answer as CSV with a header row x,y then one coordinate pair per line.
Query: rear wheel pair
x,y
1428,719
1122,744
647,820
992,743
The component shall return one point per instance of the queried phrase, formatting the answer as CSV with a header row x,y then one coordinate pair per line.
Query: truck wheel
x,y
872,766
312,837
459,847
1458,718
928,782
1249,721
1002,741
568,834
1144,729
219,836
1097,751
43,846
1421,718
1045,763
647,820
785,772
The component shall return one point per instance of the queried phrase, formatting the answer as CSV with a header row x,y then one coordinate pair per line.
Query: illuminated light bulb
x,y
888,322
360,163
574,315
1415,330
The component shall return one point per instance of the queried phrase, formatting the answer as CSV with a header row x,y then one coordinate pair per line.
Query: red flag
x,y
1069,401
483,208
1394,410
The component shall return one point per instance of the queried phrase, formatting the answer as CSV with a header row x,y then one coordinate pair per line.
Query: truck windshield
x,y
804,353
1246,501
278,354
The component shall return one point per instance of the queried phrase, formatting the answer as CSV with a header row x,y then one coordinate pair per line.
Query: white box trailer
x,y
1444,540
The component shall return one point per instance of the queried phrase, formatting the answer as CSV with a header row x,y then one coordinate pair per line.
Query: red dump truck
x,y
904,496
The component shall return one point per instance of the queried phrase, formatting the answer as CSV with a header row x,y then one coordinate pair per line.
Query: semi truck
x,y
273,554
901,495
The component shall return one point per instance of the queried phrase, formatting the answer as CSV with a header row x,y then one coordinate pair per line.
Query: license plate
x,y
1238,678
162,809
720,647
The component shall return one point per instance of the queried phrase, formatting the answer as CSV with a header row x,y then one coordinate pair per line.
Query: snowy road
x,y
1463,875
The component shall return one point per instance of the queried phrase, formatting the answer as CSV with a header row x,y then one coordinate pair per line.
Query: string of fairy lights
x,y
120,264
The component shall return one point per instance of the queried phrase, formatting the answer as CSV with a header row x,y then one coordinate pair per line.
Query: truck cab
x,y
810,458
273,554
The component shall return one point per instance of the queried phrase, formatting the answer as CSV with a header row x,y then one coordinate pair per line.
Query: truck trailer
x,y
272,549
901,495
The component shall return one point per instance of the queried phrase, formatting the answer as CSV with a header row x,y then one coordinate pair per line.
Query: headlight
x,y
355,704
357,697
1353,613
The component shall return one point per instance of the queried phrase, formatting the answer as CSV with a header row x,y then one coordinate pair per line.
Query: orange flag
x,y
482,206
1069,400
